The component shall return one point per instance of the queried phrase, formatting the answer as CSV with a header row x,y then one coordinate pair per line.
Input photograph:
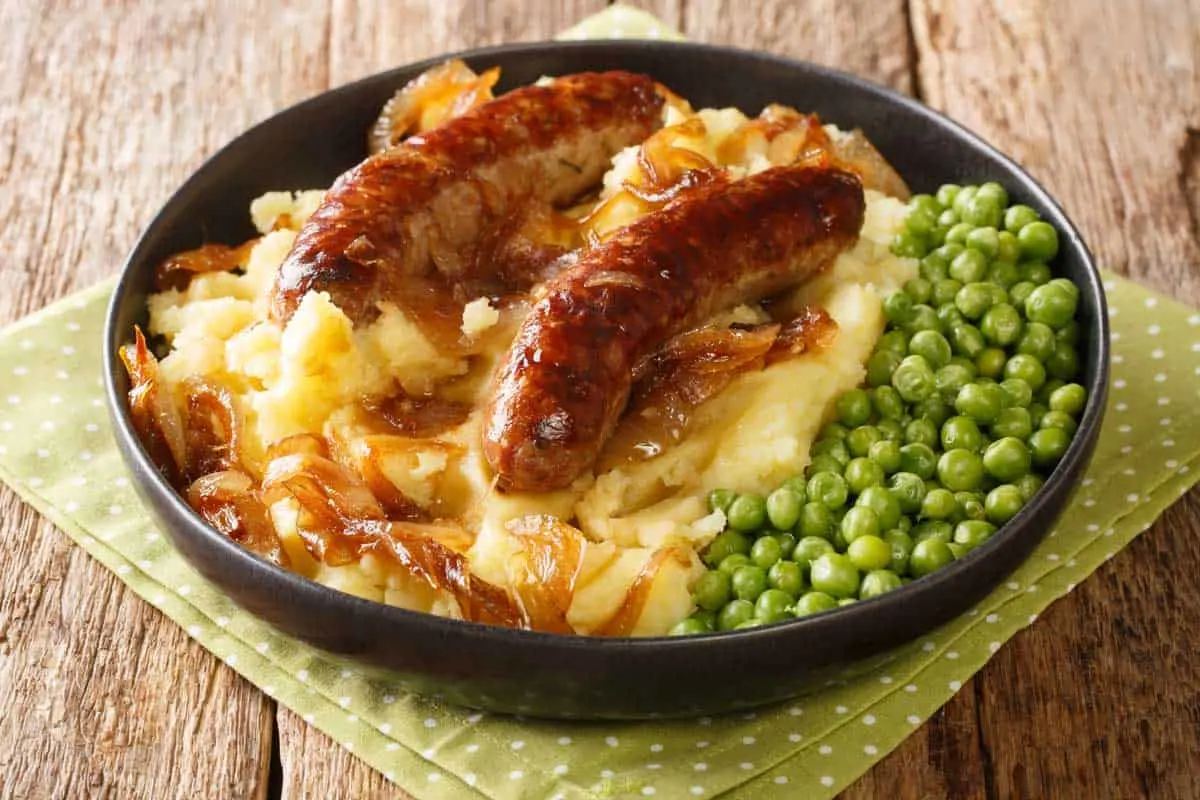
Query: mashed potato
x,y
311,376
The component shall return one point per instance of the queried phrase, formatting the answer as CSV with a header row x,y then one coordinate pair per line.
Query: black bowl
x,y
567,676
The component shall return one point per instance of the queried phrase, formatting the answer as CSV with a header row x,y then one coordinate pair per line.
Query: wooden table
x,y
105,107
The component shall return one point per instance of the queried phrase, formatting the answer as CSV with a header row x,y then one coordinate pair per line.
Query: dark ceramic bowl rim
x,y
814,625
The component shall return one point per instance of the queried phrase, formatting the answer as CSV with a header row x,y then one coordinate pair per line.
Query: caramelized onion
x,y
623,620
228,501
177,271
436,95
156,418
550,560
416,417
213,430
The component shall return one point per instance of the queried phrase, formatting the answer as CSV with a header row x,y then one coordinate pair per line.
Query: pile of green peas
x,y
969,402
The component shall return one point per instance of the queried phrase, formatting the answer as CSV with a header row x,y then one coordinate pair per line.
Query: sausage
x,y
559,393
442,201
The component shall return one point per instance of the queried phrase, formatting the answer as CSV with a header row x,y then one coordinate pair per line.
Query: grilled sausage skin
x,y
565,381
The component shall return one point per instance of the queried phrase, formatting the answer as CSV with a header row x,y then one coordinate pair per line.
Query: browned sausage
x,y
566,379
437,202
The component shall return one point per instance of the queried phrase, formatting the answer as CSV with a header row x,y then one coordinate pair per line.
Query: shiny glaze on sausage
x,y
441,204
567,377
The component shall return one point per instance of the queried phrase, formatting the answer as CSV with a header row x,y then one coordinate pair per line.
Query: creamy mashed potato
x,y
310,376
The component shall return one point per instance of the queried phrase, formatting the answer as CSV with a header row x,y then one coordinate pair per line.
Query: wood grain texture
x,y
105,107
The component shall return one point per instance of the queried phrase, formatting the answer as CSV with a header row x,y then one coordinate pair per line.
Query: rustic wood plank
x,y
101,116
1101,102
315,766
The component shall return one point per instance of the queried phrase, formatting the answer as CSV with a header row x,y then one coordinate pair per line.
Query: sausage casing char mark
x,y
435,203
566,379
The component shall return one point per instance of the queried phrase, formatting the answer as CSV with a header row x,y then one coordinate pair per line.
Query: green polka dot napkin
x,y
56,452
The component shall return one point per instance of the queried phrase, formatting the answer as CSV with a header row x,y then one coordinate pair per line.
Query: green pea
x,y
893,341
958,234
908,489
828,489
913,379
934,267
815,521
1008,249
1059,419
995,191
943,293
1069,399
906,244
1026,368
898,308
1004,273
1048,445
813,603
947,253
933,409
946,194
918,289
902,545
1069,333
825,463
1017,217
854,408
862,473
749,582
1019,292
982,403
724,544
859,521
1028,485
1003,503
883,503
931,346
833,430
939,504
712,591
688,627
925,201
986,240
990,362
1018,392
929,556
960,470
859,440
787,543
706,618
787,576
773,605
982,211
919,431
970,533
880,367
809,549
869,553
1001,325
1036,412
969,266
1067,285
970,504
797,484
924,318
734,614
973,300
766,552
719,499
877,582
892,430
1051,304
1038,240
838,448
747,513
957,550
1063,364
962,432
783,508
1043,394
918,459
1014,422
731,562
967,340
887,455
921,220
1007,459
940,530
1035,272
835,574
